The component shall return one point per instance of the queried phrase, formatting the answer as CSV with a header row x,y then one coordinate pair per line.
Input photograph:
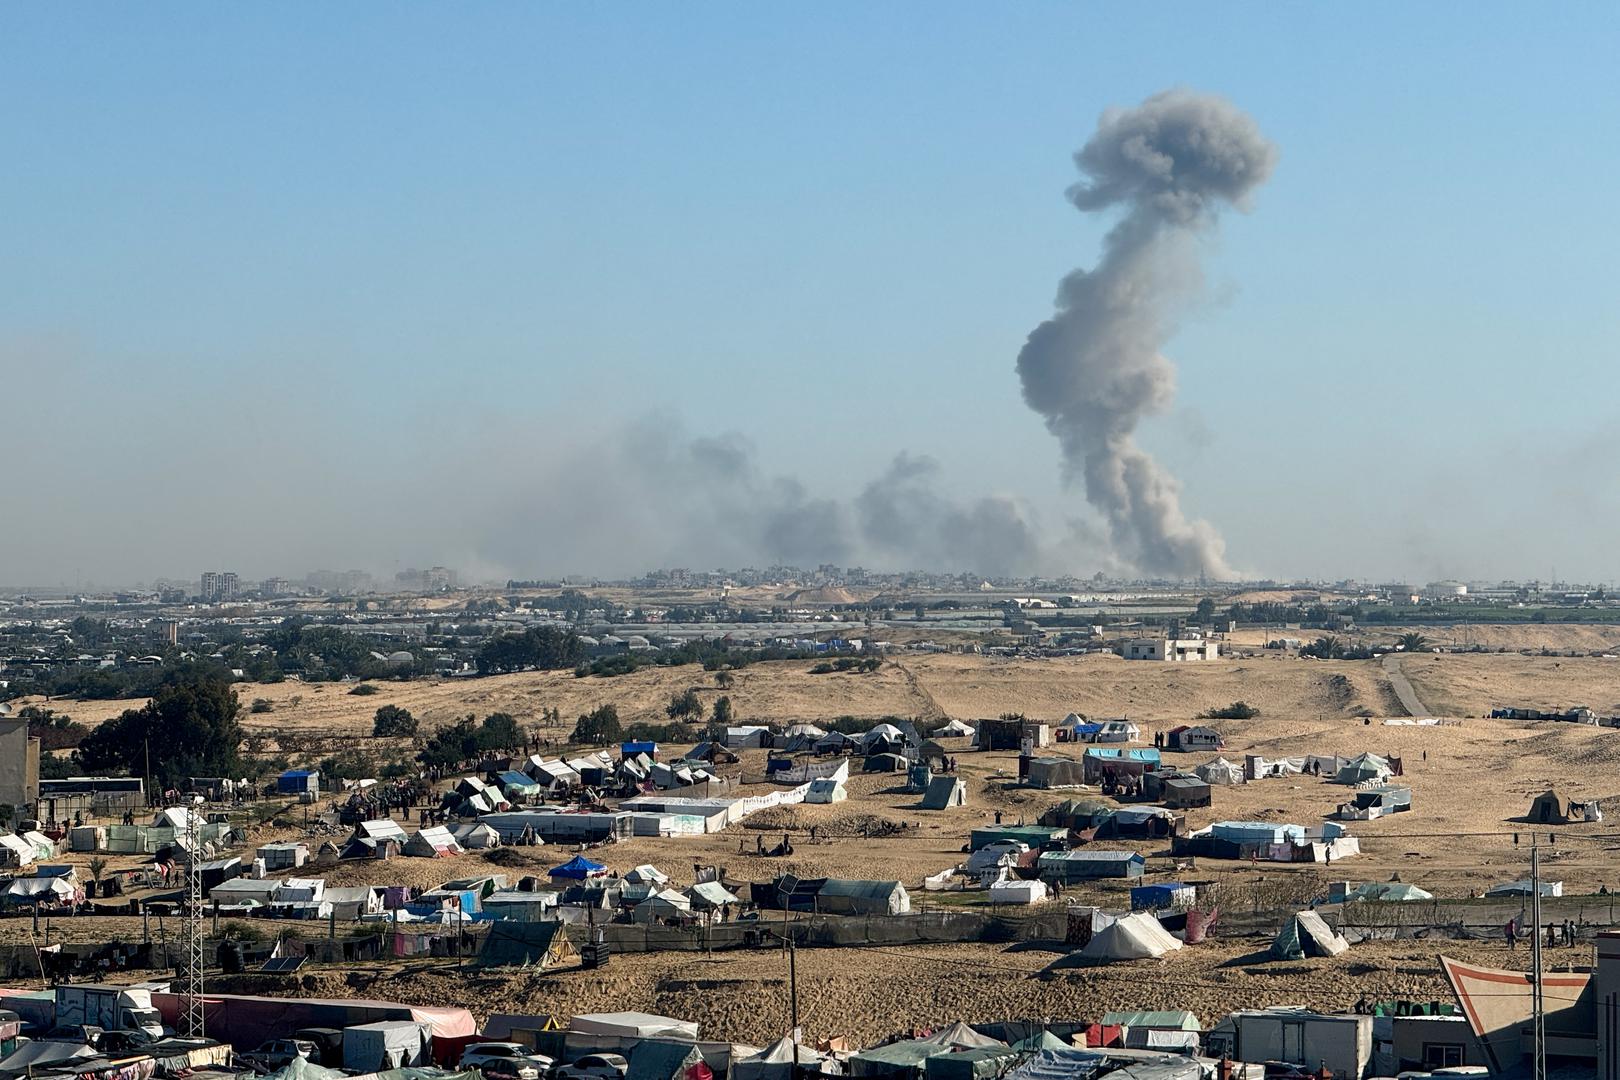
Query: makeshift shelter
x,y
662,905
826,791
633,1025
1054,772
355,902
41,890
944,792
1189,738
1059,1064
1183,792
537,945
777,1062
1307,935
1117,731
653,1059
475,835
1076,813
885,738
1221,772
1157,897
15,851
433,842
516,785
955,729
1068,867
747,737
885,763
711,896
1136,936
1041,1040
844,897
1363,768
1017,891
1548,808
647,874
579,868
517,905
1387,891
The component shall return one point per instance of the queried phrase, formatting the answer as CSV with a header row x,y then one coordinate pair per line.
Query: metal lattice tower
x,y
191,1001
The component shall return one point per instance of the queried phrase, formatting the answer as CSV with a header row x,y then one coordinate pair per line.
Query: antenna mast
x,y
191,1001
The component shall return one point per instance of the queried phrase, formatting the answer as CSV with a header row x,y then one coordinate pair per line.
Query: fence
x,y
830,931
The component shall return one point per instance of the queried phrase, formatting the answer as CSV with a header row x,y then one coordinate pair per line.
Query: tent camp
x,y
1307,935
1396,892
1137,936
1549,808
944,792
826,791
578,869
1220,771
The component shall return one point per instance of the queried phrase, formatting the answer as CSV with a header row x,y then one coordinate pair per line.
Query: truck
x,y
112,1008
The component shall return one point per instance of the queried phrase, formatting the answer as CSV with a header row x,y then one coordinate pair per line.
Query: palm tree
x,y
1413,642
98,870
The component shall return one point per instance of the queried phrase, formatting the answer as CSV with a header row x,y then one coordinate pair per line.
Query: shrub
x,y
1238,710
363,690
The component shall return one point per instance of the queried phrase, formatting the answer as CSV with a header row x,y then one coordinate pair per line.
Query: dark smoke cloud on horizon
x,y
1094,370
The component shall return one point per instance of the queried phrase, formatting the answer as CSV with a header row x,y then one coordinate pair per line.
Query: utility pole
x,y
1537,1001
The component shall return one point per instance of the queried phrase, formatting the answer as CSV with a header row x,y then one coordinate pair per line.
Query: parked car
x,y
88,1034
279,1053
506,1061
595,1067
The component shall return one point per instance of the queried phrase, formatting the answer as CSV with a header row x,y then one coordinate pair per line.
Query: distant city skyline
x,y
547,291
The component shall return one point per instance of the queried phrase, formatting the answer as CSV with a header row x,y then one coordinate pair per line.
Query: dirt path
x,y
929,709
1403,689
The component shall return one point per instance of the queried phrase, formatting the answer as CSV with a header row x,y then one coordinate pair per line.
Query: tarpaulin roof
x,y
1054,1064
1132,937
1307,935
578,868
959,1034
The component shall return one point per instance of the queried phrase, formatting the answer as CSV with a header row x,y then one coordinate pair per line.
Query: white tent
x,y
1307,935
776,1061
956,729
960,1035
825,791
19,851
647,874
943,792
475,835
1137,936
1014,891
632,1025
1220,771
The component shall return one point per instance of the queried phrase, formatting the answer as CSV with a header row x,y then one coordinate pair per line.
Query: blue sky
x,y
300,286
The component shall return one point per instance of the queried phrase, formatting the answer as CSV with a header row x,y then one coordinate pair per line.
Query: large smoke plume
x,y
1094,369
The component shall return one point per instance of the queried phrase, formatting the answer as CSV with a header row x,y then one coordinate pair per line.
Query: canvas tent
x,y
538,945
1016,891
826,791
1137,936
475,835
1307,935
1055,772
956,729
1220,771
1549,808
960,1035
943,792
433,842
777,1061
885,763
647,873
1363,768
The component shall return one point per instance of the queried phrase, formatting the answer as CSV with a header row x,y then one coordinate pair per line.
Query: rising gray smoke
x,y
1094,369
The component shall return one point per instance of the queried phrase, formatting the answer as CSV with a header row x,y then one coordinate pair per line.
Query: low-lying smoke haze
x,y
656,495
1094,369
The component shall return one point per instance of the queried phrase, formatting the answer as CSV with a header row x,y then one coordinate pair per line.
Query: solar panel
x,y
280,965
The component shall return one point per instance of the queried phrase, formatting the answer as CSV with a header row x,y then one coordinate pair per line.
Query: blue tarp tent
x,y
578,869
631,749
296,781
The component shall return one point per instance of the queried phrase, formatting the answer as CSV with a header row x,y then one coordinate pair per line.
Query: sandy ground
x,y
1470,781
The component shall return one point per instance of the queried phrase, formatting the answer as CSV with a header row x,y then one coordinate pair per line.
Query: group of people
x,y
1556,933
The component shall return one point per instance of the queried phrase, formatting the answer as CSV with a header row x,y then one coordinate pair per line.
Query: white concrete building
x,y
1171,649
